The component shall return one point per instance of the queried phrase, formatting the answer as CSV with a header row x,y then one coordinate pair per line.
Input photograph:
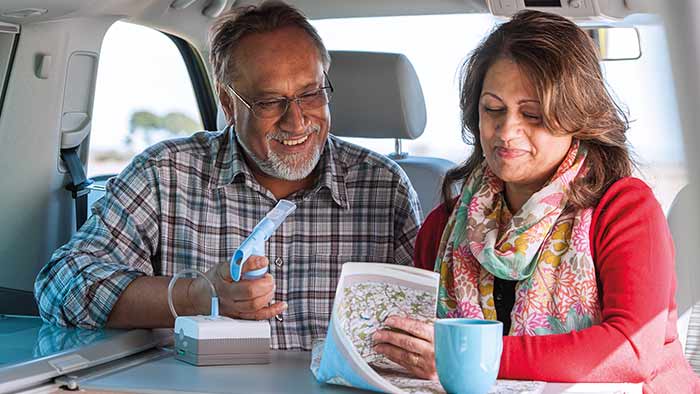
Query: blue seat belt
x,y
80,184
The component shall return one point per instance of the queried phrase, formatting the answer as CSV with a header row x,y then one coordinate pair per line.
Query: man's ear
x,y
226,104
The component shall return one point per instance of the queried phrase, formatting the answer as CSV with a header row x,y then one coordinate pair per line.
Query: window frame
x,y
199,77
10,64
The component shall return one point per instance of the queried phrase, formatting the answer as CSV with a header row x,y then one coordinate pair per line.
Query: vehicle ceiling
x,y
190,24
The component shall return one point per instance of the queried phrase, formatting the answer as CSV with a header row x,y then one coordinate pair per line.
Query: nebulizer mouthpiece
x,y
254,245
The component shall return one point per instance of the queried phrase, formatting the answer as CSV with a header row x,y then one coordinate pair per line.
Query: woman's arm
x,y
428,238
633,253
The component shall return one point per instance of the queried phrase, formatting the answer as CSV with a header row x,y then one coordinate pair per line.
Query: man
x,y
189,203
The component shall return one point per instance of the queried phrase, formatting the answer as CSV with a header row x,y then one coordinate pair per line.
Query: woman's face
x,y
517,146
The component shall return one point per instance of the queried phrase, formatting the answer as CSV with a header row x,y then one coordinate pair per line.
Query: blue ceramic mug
x,y
468,354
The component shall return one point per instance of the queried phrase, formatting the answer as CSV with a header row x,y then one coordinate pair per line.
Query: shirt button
x,y
279,261
499,297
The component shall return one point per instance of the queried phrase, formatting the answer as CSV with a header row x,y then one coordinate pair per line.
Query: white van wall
x,y
38,213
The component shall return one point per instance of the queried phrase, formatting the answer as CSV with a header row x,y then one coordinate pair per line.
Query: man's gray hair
x,y
227,31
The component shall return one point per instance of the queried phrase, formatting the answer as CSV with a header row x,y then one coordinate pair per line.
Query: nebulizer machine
x,y
220,340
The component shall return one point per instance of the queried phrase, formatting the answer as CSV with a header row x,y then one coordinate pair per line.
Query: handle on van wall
x,y
74,129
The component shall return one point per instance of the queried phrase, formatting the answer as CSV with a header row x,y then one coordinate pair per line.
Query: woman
x,y
550,234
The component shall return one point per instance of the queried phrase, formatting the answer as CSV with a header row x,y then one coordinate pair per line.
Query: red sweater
x,y
637,340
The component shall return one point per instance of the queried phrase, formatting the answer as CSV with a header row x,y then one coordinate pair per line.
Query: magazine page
x,y
366,295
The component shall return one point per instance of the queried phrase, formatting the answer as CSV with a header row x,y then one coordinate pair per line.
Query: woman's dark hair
x,y
561,61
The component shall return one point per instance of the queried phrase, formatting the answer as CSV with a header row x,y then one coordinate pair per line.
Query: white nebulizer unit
x,y
220,340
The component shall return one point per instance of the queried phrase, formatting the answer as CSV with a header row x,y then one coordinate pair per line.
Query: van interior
x,y
86,85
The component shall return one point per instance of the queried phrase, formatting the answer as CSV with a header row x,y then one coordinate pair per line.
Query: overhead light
x,y
25,13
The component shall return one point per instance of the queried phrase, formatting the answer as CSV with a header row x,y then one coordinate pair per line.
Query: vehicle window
x,y
143,95
438,48
645,87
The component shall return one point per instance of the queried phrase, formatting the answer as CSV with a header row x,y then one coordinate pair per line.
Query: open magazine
x,y
366,295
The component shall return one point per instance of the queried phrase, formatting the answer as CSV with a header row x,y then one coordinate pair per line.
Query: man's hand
x,y
412,348
245,299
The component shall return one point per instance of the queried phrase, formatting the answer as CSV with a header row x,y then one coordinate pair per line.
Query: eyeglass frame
x,y
288,100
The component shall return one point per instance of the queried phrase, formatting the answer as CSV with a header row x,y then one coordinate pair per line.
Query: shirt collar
x,y
332,174
230,165
229,162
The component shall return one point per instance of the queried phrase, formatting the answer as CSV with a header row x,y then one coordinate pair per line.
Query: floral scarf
x,y
544,246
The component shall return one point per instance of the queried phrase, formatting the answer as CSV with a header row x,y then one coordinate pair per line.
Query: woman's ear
x,y
226,103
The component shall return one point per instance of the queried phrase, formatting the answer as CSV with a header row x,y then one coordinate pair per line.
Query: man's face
x,y
273,65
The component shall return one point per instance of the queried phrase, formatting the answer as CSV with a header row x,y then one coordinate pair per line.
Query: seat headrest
x,y
376,95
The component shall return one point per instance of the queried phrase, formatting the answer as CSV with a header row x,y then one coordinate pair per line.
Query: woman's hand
x,y
412,347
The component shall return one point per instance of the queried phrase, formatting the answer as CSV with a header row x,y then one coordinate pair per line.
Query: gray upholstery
x,y
426,175
377,95
685,226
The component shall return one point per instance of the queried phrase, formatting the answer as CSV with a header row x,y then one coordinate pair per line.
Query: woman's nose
x,y
510,127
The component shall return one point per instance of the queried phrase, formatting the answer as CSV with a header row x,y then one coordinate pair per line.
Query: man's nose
x,y
293,119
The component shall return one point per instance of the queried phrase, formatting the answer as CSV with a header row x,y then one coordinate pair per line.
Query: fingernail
x,y
284,305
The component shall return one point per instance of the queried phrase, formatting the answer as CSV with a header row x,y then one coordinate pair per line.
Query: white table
x,y
288,373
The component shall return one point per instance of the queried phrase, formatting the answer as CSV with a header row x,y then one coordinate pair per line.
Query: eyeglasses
x,y
277,107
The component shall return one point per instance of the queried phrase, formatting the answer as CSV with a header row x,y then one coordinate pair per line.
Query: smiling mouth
x,y
296,141
510,153
293,142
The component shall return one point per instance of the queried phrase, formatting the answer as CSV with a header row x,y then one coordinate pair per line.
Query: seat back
x,y
692,342
378,95
685,230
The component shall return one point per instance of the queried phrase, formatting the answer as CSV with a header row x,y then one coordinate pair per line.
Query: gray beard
x,y
289,168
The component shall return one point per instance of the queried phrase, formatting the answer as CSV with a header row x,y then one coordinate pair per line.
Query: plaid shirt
x,y
189,203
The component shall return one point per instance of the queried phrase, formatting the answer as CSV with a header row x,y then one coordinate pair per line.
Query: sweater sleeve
x,y
428,239
633,254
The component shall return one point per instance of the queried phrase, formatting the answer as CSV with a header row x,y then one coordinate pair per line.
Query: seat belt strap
x,y
79,186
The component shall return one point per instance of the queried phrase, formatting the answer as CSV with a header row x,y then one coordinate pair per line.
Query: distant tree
x,y
144,120
179,123
146,123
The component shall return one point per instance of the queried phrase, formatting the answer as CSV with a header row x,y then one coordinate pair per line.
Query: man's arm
x,y
144,304
85,278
